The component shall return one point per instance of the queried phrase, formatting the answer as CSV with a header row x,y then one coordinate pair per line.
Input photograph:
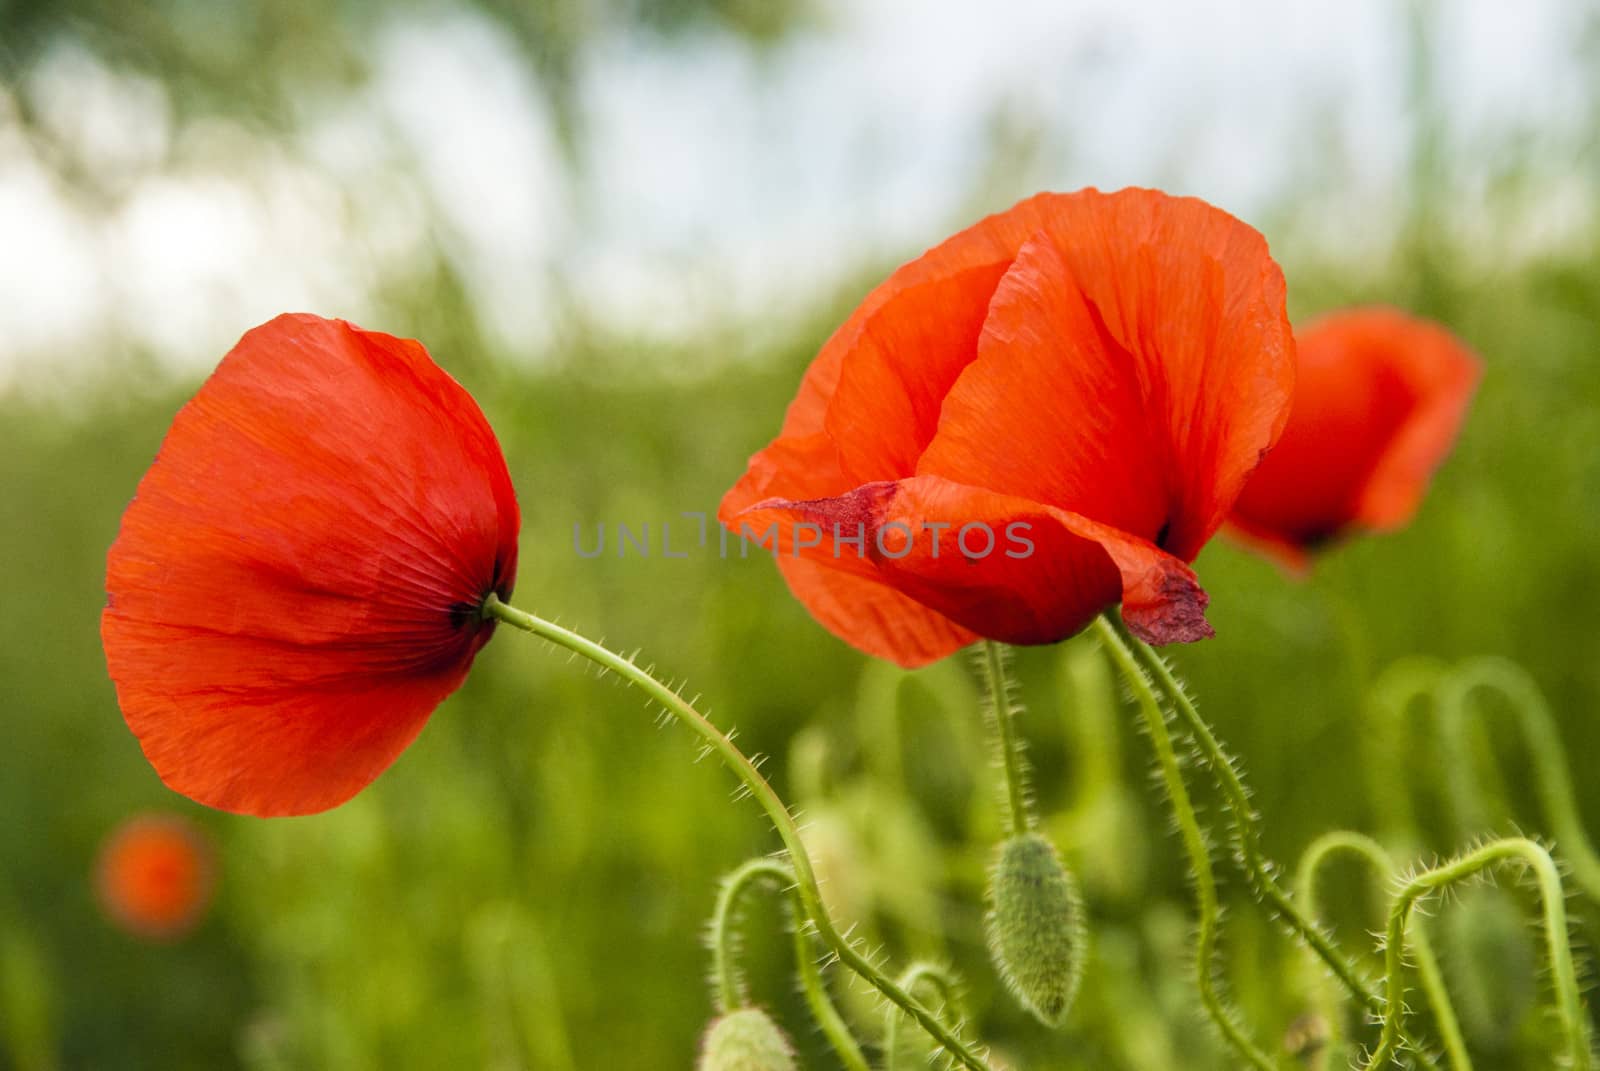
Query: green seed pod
x,y
745,1040
1036,933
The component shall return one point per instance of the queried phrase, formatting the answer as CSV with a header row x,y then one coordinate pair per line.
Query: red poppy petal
x,y
260,728
294,586
879,418
1179,375
1053,410
1380,400
974,248
992,242
999,565
895,377
870,615
1442,375
792,466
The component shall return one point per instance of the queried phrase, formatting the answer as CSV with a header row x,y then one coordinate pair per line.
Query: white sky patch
x,y
472,117
718,186
48,271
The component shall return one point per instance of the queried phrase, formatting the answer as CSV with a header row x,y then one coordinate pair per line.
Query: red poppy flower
x,y
296,585
154,877
1379,400
1083,383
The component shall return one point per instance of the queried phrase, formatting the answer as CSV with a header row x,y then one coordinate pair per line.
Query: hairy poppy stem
x,y
1002,712
1345,842
809,896
1243,825
935,977
1194,842
730,992
1553,782
1569,1006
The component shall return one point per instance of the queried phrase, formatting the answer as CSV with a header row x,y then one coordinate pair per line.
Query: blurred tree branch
x,y
253,60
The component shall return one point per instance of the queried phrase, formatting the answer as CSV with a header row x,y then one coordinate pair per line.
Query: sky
x,y
720,185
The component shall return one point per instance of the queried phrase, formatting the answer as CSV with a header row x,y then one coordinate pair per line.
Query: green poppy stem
x,y
1223,1016
1563,975
936,978
1552,780
729,986
806,890
1008,746
1364,847
1244,824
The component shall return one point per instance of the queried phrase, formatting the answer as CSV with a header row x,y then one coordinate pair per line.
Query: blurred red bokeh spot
x,y
155,876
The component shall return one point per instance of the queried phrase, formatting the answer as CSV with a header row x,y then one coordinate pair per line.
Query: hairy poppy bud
x,y
1036,933
745,1040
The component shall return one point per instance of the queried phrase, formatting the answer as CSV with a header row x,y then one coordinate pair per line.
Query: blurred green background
x,y
527,887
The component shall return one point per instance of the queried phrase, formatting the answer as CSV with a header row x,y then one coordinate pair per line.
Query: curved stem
x,y
1013,766
1244,826
1385,737
1553,781
1515,849
806,891
1194,842
1341,841
934,975
729,984
834,1028
730,990
914,975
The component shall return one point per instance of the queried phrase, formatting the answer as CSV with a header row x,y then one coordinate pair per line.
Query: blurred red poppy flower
x,y
154,876
1080,384
297,583
1380,398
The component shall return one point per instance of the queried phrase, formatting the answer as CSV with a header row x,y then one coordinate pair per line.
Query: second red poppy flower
x,y
1081,385
1380,399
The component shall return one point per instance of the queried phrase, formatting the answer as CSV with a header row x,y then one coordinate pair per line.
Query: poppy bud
x,y
1036,933
745,1040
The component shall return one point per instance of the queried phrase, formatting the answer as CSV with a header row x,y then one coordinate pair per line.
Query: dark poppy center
x,y
466,616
